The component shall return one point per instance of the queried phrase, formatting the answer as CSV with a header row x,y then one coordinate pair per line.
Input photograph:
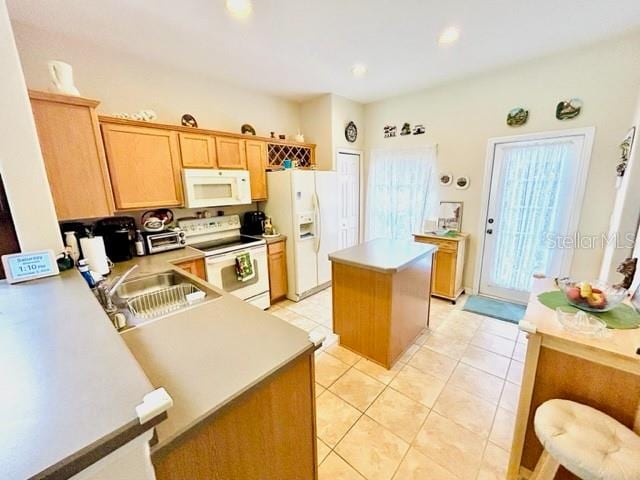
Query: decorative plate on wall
x,y
446,179
188,120
351,132
567,110
247,129
517,117
462,183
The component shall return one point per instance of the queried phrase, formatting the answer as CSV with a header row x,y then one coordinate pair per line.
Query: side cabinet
x,y
448,267
257,166
73,155
145,166
194,267
254,437
277,270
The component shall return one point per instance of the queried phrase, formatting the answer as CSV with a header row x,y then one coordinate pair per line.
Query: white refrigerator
x,y
303,205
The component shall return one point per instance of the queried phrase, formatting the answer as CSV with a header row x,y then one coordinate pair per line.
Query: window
x,y
402,192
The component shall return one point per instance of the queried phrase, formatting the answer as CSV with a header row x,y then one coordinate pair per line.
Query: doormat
x,y
506,311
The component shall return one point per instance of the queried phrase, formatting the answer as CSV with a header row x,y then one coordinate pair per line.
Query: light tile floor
x,y
446,410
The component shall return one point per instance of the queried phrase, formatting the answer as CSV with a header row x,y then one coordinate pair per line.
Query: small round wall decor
x,y
446,179
351,132
462,183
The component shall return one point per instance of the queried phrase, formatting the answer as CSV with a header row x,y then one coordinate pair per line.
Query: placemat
x,y
622,317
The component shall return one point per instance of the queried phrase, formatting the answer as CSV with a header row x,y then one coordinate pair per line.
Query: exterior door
x,y
348,168
534,203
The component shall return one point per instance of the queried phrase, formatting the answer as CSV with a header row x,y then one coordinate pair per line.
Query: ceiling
x,y
299,49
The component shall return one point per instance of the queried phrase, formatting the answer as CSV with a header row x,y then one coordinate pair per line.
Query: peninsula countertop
x,y
383,255
69,383
208,355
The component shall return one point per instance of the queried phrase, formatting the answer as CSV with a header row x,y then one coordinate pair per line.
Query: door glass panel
x,y
529,210
208,191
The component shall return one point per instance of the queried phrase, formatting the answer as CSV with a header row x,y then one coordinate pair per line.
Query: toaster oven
x,y
156,242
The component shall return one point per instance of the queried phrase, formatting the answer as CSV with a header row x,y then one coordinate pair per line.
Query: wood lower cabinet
x,y
231,153
73,155
197,151
257,166
267,433
144,164
277,270
194,267
448,266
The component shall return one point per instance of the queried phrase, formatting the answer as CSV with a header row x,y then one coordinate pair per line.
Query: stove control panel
x,y
201,226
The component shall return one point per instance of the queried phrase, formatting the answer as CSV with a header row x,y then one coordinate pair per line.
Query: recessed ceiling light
x,y
448,36
359,70
239,8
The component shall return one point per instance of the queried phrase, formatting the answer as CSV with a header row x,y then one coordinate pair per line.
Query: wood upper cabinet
x,y
231,153
73,155
197,150
145,166
277,270
257,165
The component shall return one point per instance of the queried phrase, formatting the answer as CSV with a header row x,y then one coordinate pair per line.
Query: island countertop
x,y
69,383
383,255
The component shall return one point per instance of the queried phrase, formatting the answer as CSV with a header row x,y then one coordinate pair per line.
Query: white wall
x,y
323,121
344,111
21,163
623,225
315,120
127,84
460,117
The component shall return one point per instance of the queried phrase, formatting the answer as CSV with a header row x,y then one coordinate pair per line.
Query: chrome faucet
x,y
107,290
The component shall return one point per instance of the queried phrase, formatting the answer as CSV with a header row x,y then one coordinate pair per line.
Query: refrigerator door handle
x,y
318,220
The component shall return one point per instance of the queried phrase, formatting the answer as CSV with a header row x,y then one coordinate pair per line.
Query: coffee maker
x,y
253,223
118,234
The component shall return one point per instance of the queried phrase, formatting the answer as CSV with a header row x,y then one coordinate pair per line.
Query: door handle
x,y
490,220
490,231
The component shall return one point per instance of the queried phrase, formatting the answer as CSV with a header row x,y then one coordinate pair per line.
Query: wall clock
x,y
351,132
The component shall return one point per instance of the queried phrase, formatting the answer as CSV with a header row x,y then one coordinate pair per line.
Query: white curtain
x,y
402,192
530,209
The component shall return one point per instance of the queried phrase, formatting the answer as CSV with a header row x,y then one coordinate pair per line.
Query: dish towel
x,y
244,267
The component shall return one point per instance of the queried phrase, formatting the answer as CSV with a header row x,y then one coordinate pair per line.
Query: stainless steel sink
x,y
151,283
158,295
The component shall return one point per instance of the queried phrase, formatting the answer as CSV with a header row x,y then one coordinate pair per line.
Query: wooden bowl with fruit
x,y
595,296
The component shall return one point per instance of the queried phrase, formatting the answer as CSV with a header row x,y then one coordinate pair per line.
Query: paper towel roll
x,y
95,254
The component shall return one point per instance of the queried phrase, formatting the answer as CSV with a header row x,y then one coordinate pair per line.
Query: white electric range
x,y
220,240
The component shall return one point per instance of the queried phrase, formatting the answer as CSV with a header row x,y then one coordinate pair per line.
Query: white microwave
x,y
215,188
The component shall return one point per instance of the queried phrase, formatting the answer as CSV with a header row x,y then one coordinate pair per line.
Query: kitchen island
x,y
602,372
381,296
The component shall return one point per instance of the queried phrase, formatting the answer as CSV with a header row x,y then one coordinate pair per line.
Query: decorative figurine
x,y
406,129
419,129
628,269
389,131
189,120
